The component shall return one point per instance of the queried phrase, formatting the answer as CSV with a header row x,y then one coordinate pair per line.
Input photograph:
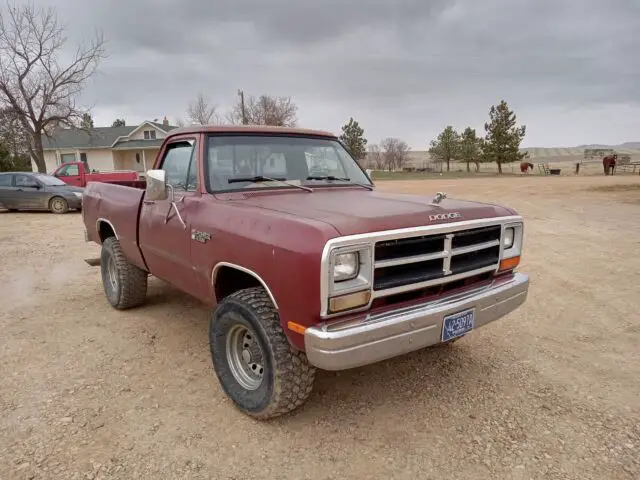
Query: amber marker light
x,y
349,301
295,327
509,263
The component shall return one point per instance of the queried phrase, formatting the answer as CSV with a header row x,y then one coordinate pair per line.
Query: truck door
x,y
165,233
70,174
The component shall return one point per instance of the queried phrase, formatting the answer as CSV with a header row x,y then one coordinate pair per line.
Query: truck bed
x,y
109,205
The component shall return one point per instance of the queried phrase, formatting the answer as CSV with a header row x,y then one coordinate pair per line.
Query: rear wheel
x,y
125,285
252,358
58,205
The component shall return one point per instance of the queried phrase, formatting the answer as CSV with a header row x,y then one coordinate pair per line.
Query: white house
x,y
107,148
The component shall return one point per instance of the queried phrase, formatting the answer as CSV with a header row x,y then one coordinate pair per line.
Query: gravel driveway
x,y
551,391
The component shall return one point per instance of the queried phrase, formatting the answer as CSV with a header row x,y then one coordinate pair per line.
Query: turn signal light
x,y
349,301
296,327
509,263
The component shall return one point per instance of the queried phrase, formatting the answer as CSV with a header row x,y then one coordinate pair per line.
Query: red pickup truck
x,y
304,263
78,175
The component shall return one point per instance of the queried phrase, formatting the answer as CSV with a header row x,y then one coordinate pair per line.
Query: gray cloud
x,y
403,68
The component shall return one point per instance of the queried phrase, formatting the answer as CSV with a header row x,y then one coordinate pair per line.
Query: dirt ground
x,y
551,391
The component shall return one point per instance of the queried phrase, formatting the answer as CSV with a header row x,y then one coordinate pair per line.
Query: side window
x,y
69,170
25,181
5,180
177,159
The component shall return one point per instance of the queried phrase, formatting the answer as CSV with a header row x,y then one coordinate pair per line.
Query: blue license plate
x,y
457,324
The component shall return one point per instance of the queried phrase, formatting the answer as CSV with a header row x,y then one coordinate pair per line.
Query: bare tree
x,y
375,157
264,110
202,112
12,134
35,81
395,153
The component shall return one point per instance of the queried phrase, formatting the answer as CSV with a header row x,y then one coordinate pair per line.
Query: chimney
x,y
165,121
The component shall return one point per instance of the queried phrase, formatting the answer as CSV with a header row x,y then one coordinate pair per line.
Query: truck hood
x,y
352,211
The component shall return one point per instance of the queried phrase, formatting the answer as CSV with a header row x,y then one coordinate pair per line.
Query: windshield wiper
x,y
262,178
340,179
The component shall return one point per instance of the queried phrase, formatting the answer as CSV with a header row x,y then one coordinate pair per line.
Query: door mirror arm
x,y
173,205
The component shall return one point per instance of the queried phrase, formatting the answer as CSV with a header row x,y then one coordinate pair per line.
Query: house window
x,y
149,134
146,134
67,157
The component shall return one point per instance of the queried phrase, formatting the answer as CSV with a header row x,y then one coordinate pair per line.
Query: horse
x,y
609,164
525,166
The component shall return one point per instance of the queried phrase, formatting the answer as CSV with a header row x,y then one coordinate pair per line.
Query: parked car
x,y
38,191
78,174
304,263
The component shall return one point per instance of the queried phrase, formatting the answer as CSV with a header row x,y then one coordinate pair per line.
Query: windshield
x,y
296,160
49,180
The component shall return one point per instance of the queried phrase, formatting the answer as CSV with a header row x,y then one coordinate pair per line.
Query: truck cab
x,y
304,263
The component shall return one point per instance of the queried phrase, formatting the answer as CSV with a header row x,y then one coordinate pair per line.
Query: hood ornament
x,y
438,198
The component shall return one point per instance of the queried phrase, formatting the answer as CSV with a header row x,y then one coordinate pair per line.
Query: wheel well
x,y
229,280
105,231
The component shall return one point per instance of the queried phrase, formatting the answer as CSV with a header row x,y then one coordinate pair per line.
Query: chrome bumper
x,y
372,338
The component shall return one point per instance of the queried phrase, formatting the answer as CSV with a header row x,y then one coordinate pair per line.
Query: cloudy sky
x,y
404,68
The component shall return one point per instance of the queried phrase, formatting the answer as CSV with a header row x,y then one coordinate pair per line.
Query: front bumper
x,y
372,338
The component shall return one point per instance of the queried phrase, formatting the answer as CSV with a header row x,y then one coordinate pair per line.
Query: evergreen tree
x,y
87,121
502,140
446,147
118,122
470,148
353,137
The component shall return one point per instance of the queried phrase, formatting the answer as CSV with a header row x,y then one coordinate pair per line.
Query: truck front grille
x,y
410,263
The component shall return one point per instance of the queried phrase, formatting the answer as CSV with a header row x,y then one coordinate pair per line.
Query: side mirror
x,y
156,185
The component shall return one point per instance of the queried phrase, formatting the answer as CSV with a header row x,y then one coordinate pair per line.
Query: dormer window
x,y
149,134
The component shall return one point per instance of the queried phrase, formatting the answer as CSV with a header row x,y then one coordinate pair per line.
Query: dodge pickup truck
x,y
304,263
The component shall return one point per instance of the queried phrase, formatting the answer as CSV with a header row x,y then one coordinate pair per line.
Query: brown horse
x,y
525,166
609,164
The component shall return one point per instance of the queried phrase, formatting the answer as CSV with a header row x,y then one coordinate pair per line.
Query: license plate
x,y
457,324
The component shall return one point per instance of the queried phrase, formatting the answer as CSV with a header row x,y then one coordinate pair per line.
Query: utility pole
x,y
244,113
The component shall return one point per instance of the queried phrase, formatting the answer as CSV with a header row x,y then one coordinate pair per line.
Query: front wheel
x,y
256,366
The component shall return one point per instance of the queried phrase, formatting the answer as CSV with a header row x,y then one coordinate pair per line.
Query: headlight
x,y
346,266
77,194
509,236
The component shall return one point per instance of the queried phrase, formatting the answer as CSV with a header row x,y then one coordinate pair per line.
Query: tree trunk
x,y
499,167
468,166
448,167
38,153
477,167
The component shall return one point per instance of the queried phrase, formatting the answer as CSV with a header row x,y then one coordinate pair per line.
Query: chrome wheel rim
x,y
112,273
245,357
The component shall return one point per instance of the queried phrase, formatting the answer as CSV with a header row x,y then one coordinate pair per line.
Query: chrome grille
x,y
408,263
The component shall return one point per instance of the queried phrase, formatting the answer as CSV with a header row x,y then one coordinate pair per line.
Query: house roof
x,y
98,137
138,144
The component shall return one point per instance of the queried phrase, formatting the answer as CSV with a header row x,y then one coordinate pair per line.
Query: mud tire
x,y
127,288
288,377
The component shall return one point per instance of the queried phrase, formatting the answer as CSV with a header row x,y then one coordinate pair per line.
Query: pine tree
x,y
353,138
446,147
470,148
502,140
87,121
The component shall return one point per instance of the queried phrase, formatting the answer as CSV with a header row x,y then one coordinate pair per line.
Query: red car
x,y
76,174
304,264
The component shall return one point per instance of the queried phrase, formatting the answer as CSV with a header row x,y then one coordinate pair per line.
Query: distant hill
x,y
629,145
